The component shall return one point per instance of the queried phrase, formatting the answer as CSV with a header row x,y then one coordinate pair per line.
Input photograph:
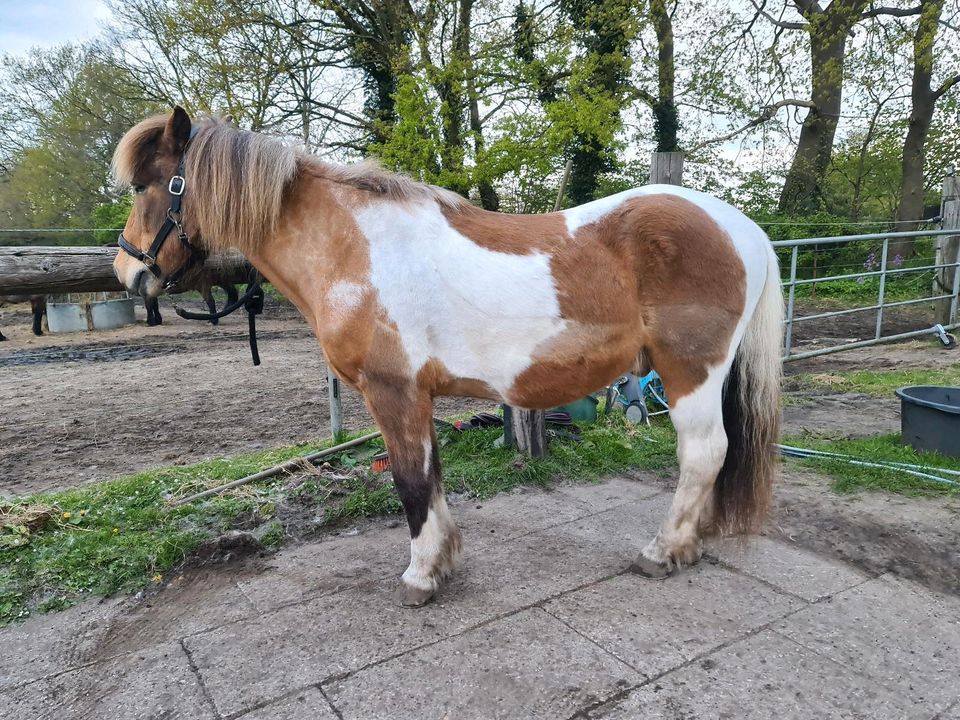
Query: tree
x,y
827,29
923,97
72,110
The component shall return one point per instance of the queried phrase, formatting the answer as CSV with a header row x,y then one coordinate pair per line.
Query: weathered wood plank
x,y
43,270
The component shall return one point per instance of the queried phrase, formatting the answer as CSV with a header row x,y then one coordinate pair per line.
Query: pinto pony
x,y
413,292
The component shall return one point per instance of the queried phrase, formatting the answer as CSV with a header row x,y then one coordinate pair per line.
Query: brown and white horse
x,y
413,293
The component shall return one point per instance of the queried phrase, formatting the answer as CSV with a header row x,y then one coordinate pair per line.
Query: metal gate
x,y
886,269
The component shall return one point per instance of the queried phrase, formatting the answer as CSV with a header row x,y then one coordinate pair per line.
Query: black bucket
x,y
930,418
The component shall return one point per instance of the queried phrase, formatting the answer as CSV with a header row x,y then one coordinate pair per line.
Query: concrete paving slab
x,y
893,631
761,677
310,704
610,493
51,643
299,645
198,600
156,682
789,568
525,666
321,568
952,713
514,514
656,625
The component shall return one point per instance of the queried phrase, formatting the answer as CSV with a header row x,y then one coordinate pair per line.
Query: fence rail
x,y
948,292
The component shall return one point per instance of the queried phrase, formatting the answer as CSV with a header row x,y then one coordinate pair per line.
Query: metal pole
x,y
788,333
883,286
956,286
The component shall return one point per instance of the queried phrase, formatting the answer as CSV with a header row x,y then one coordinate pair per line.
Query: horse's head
x,y
158,243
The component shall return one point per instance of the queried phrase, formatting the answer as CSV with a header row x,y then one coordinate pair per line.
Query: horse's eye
x,y
138,189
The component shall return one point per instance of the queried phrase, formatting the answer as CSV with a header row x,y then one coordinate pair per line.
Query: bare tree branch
x,y
767,114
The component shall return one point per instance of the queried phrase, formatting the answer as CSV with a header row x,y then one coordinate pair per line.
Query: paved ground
x,y
541,622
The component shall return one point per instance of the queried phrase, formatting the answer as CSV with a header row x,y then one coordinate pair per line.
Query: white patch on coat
x,y
425,570
479,312
427,456
344,296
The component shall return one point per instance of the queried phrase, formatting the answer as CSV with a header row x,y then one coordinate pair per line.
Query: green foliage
x,y
414,143
110,216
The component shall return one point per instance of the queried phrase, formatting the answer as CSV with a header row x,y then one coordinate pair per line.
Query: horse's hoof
x,y
645,567
412,597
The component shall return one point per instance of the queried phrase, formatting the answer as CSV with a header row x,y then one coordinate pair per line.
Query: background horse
x,y
203,280
38,306
413,292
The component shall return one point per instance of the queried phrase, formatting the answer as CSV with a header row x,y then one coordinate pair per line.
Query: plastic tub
x,y
930,418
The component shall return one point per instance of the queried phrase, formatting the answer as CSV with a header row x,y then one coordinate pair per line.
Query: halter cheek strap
x,y
172,221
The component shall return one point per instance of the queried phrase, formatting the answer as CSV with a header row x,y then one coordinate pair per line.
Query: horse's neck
x,y
302,258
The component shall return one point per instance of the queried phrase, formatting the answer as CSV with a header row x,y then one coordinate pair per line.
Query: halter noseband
x,y
173,221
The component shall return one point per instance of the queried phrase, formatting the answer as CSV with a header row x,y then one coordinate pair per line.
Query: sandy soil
x,y
81,408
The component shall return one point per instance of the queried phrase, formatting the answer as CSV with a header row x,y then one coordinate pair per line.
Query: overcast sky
x,y
26,23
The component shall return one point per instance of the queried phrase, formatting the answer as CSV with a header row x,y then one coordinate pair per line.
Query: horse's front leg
x,y
405,417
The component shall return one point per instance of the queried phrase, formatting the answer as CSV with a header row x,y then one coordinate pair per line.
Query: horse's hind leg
x,y
701,449
211,304
405,417
39,307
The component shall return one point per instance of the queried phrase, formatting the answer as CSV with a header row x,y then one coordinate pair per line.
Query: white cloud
x,y
44,23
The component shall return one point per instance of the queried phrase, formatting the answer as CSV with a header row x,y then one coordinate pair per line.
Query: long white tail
x,y
751,415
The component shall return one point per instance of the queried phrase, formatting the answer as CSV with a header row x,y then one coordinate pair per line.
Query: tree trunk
x,y
828,30
488,196
666,118
923,102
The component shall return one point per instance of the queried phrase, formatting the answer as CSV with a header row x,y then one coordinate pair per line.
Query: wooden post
x,y
948,249
666,168
530,432
336,406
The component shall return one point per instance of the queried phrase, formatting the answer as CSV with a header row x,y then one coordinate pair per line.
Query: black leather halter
x,y
251,300
172,221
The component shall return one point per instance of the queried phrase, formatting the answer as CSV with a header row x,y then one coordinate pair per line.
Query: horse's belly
x,y
577,363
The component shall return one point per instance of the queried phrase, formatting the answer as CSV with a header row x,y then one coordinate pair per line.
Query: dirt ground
x,y
82,408
85,407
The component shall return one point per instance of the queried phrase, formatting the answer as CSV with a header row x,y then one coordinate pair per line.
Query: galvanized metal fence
x,y
885,269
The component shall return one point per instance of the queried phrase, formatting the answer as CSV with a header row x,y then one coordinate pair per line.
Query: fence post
x,y
336,408
529,429
666,168
948,251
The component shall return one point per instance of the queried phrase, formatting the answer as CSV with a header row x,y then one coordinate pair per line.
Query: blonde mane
x,y
238,179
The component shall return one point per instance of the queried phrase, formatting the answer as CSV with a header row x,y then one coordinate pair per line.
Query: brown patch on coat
x,y
663,284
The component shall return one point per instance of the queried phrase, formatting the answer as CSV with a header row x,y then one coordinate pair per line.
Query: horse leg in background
x,y
39,306
405,417
701,449
211,303
231,290
153,311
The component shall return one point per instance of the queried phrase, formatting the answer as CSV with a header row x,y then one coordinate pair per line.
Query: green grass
x,y
849,478
123,535
870,382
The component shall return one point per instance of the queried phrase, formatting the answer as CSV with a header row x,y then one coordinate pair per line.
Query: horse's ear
x,y
177,131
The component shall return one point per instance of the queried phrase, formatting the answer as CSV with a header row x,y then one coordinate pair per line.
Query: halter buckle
x,y
148,260
177,185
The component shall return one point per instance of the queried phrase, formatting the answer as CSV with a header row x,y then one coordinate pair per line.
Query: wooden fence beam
x,y
948,249
44,270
